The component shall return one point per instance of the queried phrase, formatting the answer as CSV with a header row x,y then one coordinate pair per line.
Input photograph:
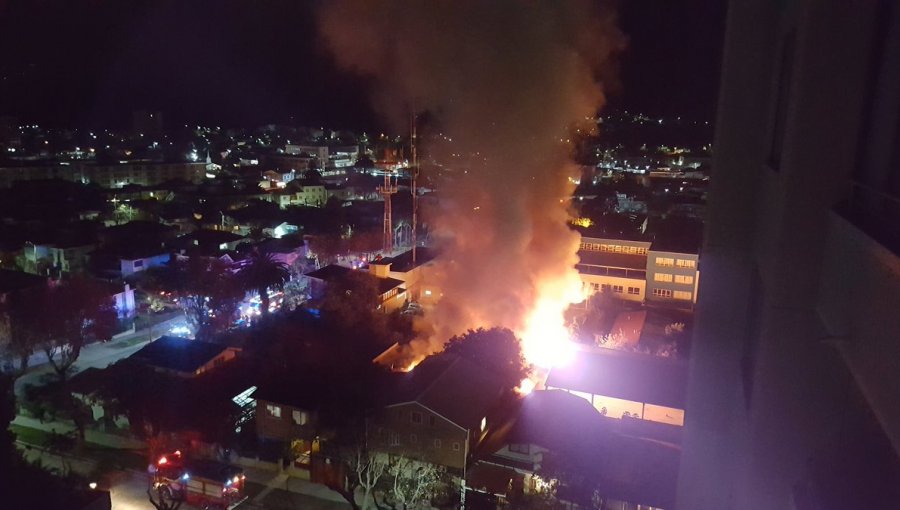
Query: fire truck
x,y
205,484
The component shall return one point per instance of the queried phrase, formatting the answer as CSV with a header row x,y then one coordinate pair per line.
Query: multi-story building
x,y
639,270
439,412
144,173
795,360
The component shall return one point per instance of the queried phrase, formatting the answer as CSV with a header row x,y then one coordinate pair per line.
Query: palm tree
x,y
261,272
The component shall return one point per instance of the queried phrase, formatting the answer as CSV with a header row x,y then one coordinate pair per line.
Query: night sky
x,y
89,63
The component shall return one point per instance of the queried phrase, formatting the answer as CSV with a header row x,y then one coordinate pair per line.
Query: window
x,y
662,277
273,410
520,448
605,287
686,263
437,444
680,278
138,263
300,417
394,439
665,293
680,294
413,439
618,289
415,417
595,287
634,291
665,261
455,447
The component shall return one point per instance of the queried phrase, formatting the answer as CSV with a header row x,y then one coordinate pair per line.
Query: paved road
x,y
98,355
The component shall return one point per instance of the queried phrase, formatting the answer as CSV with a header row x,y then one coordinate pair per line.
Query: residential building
x,y
183,357
639,271
795,361
624,468
208,242
391,294
438,413
135,264
64,257
418,278
626,385
145,173
287,415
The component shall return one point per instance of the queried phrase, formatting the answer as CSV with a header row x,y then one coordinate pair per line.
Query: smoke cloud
x,y
506,81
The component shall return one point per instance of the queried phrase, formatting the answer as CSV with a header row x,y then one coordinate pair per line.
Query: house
x,y
135,263
65,256
391,294
418,277
626,385
208,242
553,428
287,415
183,357
439,412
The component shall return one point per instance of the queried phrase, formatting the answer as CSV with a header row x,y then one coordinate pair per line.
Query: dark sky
x,y
246,62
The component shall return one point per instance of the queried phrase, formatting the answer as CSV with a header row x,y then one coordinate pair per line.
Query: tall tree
x,y
77,311
208,292
261,272
20,325
496,349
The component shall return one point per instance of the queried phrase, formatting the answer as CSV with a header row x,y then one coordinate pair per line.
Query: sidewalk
x,y
91,436
282,481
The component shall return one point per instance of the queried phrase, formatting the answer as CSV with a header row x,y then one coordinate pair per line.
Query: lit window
x,y
273,410
666,293
427,292
684,279
662,277
680,294
665,261
686,263
300,417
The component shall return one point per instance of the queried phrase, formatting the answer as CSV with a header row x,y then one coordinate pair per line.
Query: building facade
x,y
795,364
144,173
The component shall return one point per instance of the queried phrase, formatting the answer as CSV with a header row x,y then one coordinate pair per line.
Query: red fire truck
x,y
205,484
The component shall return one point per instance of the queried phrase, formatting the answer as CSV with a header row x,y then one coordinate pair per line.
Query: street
x,y
98,355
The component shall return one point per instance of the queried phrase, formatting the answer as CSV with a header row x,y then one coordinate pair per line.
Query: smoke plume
x,y
507,81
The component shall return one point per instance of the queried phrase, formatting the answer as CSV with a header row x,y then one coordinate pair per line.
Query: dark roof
x,y
622,260
403,262
451,386
14,281
635,377
178,354
332,272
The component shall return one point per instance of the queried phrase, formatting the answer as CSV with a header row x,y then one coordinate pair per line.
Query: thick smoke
x,y
507,81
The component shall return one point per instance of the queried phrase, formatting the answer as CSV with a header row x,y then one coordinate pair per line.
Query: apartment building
x,y
638,271
794,381
144,173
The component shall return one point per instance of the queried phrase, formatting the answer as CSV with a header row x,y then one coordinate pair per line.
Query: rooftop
x,y
635,377
451,386
403,262
178,354
333,272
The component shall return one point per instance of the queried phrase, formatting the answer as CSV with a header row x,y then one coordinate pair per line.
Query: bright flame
x,y
546,341
526,386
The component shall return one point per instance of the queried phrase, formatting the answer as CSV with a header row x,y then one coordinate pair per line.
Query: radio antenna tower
x,y
387,243
415,195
